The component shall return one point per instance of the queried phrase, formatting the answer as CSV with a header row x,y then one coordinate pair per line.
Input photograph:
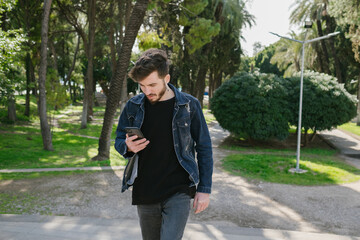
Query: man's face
x,y
154,87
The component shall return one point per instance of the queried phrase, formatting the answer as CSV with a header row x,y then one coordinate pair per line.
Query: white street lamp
x,y
308,24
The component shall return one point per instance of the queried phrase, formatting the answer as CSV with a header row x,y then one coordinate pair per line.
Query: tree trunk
x,y
200,84
324,49
112,102
68,76
124,94
28,80
45,129
306,140
358,104
211,84
89,79
313,136
218,79
330,23
111,37
185,79
11,108
54,54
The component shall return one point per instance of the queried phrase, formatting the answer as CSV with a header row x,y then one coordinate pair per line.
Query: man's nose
x,y
145,90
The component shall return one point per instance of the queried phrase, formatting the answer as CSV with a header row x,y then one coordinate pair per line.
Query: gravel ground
x,y
327,209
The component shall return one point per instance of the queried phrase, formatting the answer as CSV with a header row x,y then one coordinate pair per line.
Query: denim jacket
x,y
190,134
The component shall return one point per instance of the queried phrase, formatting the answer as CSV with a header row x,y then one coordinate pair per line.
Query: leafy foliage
x,y
252,106
10,46
263,61
326,103
261,106
58,99
201,33
149,40
348,13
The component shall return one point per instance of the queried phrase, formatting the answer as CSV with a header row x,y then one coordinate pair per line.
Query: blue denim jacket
x,y
190,134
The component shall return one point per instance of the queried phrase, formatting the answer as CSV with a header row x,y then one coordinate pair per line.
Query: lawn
x,y
21,143
271,160
322,170
22,148
351,127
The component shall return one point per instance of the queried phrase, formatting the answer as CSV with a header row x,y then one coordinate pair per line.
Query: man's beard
x,y
159,96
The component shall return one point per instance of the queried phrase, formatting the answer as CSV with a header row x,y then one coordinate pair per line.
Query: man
x,y
167,175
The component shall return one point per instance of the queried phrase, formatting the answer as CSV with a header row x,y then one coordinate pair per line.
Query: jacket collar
x,y
180,98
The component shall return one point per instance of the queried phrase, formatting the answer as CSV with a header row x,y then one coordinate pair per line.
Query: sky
x,y
270,16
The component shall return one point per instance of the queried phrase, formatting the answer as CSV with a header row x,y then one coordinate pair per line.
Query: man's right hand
x,y
135,145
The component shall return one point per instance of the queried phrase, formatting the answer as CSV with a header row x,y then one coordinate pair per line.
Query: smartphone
x,y
131,131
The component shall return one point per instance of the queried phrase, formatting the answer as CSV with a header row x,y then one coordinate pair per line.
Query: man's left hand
x,y
201,202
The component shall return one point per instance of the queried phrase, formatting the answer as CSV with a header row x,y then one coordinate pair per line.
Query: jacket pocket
x,y
185,140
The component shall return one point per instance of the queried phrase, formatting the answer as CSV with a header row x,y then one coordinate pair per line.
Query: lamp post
x,y
308,24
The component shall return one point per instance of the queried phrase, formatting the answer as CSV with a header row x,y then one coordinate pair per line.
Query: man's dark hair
x,y
150,61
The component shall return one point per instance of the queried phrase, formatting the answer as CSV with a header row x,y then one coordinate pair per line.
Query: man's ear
x,y
167,78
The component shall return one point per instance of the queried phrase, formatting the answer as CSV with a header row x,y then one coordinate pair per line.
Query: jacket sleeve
x,y
120,144
200,134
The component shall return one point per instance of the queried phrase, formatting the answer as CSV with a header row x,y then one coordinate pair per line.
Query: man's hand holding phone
x,y
135,140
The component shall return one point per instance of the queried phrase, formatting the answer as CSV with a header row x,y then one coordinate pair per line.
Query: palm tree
x,y
233,17
316,10
287,55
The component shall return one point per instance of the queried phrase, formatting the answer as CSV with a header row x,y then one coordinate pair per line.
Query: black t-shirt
x,y
160,174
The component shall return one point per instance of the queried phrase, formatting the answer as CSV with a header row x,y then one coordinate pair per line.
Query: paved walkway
x,y
347,143
60,228
24,227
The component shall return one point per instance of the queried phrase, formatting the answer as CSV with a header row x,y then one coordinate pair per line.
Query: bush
x,y
326,103
261,106
252,106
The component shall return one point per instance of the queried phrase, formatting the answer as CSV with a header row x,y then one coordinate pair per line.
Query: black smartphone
x,y
131,131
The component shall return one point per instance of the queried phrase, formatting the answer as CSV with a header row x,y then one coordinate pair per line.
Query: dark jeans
x,y
165,220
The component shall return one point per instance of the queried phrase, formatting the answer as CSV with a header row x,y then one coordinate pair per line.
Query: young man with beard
x,y
167,174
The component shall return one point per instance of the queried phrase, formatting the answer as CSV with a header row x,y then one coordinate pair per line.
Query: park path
x,y
235,202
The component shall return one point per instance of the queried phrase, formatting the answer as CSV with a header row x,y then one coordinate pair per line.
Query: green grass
x,y
21,143
32,175
22,148
322,170
351,127
209,117
91,129
306,151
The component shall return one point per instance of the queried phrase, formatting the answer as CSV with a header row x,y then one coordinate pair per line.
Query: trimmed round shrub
x,y
326,103
252,106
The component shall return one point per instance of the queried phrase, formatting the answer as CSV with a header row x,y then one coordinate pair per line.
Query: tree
x,y
311,9
226,48
45,129
112,102
263,61
347,13
89,80
73,16
323,99
316,10
26,15
261,110
10,43
257,47
287,55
